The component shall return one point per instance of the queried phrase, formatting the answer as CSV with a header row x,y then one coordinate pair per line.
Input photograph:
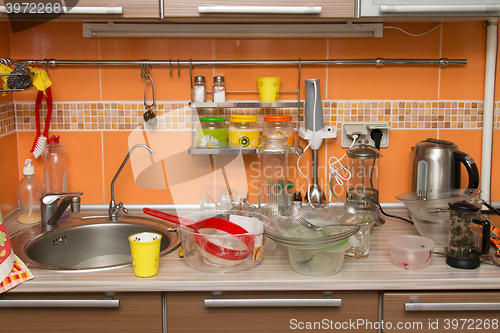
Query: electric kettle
x,y
437,165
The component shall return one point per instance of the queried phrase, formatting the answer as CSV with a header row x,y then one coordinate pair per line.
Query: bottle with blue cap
x,y
29,192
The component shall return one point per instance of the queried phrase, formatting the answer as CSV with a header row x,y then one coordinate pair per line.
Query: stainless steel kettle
x,y
436,165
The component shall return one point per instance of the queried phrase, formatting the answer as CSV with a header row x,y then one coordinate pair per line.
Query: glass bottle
x,y
219,90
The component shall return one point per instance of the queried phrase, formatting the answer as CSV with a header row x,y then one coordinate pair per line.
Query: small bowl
x,y
411,252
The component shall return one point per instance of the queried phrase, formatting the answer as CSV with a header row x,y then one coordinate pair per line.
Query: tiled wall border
x,y
176,115
7,119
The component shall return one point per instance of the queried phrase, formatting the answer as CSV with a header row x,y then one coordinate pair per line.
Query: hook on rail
x,y
149,116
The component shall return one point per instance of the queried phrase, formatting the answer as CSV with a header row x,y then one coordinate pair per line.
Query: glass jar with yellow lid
x,y
243,132
279,125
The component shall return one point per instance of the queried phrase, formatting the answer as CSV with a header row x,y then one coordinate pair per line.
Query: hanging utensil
x,y
149,115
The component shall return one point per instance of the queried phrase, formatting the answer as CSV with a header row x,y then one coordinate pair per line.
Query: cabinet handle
x,y
74,10
259,10
437,8
59,303
229,303
452,306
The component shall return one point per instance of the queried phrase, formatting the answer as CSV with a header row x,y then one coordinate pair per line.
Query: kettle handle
x,y
471,167
485,248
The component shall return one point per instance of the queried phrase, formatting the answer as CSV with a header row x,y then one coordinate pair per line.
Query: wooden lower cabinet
x,y
186,312
137,312
441,311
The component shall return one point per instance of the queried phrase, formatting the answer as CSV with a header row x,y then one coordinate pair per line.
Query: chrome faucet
x,y
52,209
114,208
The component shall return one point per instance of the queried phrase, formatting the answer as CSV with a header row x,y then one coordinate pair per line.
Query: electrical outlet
x,y
364,131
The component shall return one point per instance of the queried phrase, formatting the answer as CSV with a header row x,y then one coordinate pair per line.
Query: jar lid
x,y
212,119
277,118
218,79
199,79
237,118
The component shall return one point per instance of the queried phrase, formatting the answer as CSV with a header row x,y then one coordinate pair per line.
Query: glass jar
x,y
200,89
278,126
219,90
213,133
243,132
274,196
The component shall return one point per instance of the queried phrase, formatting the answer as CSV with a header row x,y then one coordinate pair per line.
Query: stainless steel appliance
x,y
437,165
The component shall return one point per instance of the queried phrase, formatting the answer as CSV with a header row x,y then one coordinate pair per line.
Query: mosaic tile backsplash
x,y
20,116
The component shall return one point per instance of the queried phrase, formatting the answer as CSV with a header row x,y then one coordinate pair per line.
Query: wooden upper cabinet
x,y
132,9
341,9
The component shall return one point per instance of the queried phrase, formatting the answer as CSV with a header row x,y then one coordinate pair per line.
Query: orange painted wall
x,y
96,155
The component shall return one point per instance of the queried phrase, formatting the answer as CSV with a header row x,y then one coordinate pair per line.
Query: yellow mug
x,y
145,248
269,89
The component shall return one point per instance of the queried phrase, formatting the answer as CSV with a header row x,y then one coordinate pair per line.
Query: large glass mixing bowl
x,y
429,211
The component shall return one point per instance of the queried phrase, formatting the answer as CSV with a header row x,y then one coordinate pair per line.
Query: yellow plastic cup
x,y
269,89
145,248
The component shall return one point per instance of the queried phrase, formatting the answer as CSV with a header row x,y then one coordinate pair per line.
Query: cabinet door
x,y
331,8
441,311
131,8
137,312
186,312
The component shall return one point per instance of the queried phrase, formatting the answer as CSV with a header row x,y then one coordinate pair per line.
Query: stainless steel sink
x,y
88,242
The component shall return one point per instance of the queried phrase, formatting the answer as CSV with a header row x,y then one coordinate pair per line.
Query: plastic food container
x,y
247,247
243,132
411,252
278,126
213,133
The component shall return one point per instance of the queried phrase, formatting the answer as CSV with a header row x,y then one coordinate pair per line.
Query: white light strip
x,y
258,10
74,10
436,8
231,30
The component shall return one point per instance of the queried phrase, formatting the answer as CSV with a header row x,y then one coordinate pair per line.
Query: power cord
x,y
410,34
334,173
376,136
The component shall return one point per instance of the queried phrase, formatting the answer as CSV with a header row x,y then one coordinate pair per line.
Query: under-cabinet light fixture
x,y
222,30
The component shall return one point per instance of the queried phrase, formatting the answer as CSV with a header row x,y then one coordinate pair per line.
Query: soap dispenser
x,y
29,192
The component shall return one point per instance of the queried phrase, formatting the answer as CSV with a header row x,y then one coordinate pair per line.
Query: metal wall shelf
x,y
244,104
218,151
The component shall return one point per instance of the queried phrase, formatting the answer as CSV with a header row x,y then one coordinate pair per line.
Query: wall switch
x,y
363,130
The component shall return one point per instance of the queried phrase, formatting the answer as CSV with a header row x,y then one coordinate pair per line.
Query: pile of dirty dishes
x,y
429,211
232,242
314,252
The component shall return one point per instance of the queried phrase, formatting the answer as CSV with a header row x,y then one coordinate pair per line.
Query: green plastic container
x,y
213,133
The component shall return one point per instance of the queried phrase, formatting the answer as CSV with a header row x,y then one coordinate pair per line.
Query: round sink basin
x,y
88,242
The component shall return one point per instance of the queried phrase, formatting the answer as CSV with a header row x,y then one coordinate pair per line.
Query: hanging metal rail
x,y
170,62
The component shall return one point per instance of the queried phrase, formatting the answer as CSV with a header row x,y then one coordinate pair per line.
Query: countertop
x,y
376,272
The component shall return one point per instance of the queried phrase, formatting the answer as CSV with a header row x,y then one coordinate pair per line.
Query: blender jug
x,y
274,193
469,235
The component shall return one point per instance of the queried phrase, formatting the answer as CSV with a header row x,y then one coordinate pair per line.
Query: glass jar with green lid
x,y
243,132
213,133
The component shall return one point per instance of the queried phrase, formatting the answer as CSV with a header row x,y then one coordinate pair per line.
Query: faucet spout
x,y
115,208
52,209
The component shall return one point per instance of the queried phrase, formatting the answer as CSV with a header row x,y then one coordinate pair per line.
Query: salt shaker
x,y
219,90
199,89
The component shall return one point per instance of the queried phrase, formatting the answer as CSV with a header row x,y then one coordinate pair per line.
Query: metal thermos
x,y
437,163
